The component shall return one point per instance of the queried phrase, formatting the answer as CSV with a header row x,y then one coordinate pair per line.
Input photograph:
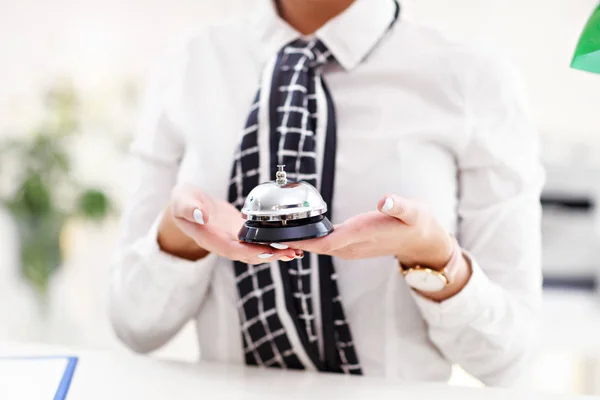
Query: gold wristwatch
x,y
432,280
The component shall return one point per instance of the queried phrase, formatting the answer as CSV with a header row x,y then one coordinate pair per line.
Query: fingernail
x,y
299,254
388,205
279,246
265,255
286,259
198,216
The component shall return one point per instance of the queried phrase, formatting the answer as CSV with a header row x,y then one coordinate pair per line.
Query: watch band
x,y
453,266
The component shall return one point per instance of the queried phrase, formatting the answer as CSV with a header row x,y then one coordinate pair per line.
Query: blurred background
x,y
72,73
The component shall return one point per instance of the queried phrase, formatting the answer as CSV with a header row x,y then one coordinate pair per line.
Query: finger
x,y
310,245
191,206
217,241
403,209
258,254
323,245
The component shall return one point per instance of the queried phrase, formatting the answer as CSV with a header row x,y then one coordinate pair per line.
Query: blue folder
x,y
67,376
65,382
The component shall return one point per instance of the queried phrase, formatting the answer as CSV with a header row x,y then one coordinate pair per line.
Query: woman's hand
x,y
195,224
401,227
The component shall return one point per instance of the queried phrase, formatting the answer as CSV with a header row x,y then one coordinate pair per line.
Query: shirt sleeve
x,y
490,327
153,294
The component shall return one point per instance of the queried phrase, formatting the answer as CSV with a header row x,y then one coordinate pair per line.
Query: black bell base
x,y
269,232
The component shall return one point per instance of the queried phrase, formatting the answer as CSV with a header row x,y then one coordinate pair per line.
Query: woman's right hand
x,y
195,224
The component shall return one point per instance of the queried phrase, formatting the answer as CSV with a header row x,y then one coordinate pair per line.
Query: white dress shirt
x,y
418,115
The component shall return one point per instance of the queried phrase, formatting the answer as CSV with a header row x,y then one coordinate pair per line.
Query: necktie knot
x,y
300,53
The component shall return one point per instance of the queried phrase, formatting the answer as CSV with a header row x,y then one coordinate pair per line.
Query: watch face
x,y
425,280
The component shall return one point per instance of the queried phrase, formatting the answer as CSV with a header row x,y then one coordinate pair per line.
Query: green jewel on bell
x,y
587,53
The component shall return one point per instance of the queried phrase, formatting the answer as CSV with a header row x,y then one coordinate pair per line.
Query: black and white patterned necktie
x,y
292,116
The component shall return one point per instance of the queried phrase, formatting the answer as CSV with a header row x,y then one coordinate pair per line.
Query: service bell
x,y
284,211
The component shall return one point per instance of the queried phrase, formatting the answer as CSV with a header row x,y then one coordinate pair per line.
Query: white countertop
x,y
102,375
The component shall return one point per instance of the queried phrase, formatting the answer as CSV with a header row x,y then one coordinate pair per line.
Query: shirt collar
x,y
350,36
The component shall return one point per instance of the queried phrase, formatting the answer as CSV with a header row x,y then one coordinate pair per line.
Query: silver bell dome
x,y
283,200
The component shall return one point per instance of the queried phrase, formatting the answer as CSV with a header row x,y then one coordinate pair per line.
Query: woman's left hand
x,y
401,227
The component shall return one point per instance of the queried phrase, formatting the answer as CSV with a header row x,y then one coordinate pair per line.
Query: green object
x,y
93,204
587,53
40,203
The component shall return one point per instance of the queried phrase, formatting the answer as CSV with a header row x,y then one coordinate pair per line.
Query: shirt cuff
x,y
169,267
462,308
